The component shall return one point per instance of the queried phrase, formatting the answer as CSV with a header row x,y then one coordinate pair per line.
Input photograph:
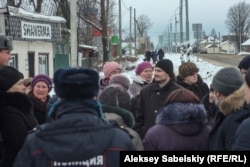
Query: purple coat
x,y
179,127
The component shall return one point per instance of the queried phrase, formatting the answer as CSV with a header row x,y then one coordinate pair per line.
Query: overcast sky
x,y
210,13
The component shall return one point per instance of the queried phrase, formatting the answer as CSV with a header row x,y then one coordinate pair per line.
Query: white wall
x,y
21,48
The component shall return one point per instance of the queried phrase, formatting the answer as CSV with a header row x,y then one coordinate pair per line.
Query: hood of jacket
x,y
76,128
121,116
185,119
233,102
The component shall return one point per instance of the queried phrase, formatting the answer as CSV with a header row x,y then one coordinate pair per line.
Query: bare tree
x,y
143,24
104,21
213,33
238,21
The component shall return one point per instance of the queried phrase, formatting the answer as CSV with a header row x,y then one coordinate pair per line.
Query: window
x,y
43,64
14,61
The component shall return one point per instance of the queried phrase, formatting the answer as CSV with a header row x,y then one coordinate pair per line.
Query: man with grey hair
x,y
229,99
5,49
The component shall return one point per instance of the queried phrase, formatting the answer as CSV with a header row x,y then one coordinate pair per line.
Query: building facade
x,y
33,36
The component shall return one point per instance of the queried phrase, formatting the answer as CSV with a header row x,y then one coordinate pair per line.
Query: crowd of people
x,y
91,118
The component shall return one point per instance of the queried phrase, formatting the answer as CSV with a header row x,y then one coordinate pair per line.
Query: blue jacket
x,y
77,137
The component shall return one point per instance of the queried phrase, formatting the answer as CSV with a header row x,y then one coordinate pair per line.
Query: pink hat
x,y
109,67
142,66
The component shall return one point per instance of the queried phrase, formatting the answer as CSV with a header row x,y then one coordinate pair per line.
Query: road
x,y
221,59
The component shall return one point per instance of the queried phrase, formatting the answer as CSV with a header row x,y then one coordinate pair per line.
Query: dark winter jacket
x,y
232,109
76,136
200,88
151,100
40,107
148,56
161,54
178,125
16,120
242,142
125,120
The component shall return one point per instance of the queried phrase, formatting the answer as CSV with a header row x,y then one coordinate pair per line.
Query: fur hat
x,y
109,67
120,79
142,66
8,77
27,81
167,66
227,80
244,63
41,78
115,96
187,69
5,43
76,83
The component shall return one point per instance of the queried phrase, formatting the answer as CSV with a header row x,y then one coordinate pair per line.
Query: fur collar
x,y
233,102
180,113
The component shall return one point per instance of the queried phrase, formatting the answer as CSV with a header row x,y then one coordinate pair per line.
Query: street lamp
x,y
170,31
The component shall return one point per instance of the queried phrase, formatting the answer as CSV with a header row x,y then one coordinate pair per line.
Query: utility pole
x,y
120,30
187,22
73,34
135,30
130,30
181,22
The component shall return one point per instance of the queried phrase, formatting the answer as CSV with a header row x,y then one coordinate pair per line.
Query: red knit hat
x,y
142,66
109,67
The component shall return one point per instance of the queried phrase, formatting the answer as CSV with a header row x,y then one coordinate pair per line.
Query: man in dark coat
x,y
77,134
229,98
242,136
152,97
161,54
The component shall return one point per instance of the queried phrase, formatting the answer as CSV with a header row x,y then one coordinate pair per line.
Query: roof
x,y
246,43
19,12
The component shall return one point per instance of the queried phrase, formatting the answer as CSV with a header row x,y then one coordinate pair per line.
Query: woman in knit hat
x,y
181,125
190,79
109,69
16,117
41,85
143,77
116,108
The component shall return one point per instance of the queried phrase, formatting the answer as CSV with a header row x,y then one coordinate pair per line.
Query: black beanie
x,y
227,80
244,63
8,77
167,66
76,83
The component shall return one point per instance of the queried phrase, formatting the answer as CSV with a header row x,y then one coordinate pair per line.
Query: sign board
x,y
197,27
35,30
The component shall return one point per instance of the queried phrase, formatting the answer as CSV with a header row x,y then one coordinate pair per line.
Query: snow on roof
x,y
88,47
19,12
247,42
